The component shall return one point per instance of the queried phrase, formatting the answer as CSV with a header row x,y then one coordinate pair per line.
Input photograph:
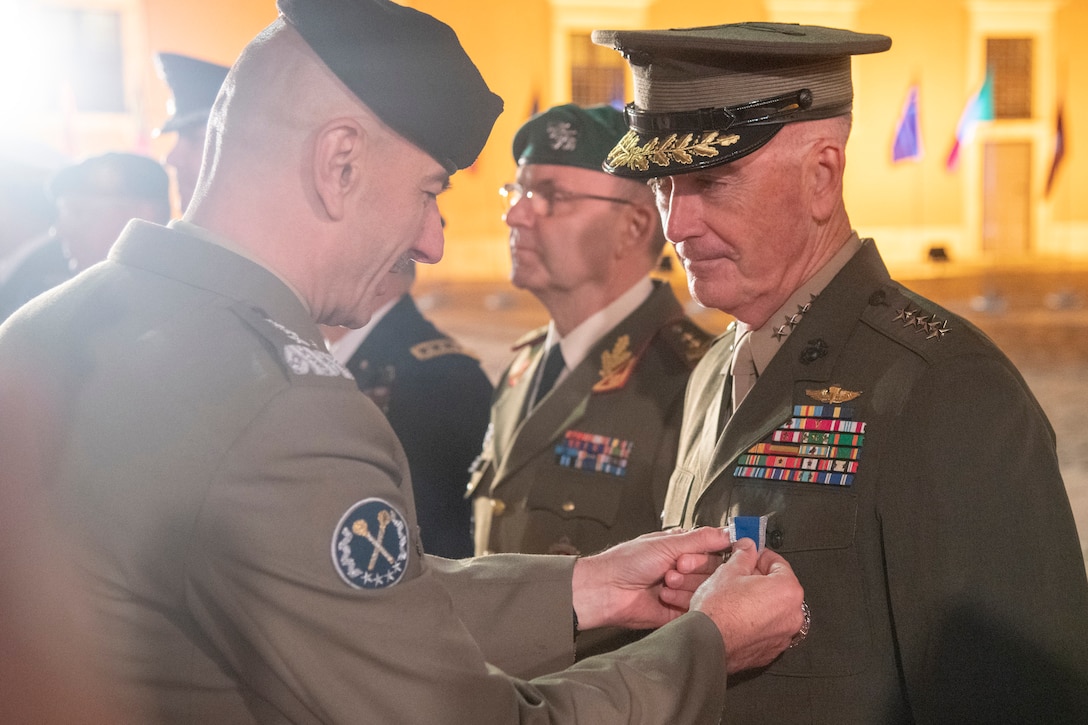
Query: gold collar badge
x,y
616,366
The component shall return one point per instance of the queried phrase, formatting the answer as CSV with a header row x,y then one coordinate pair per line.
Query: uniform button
x,y
568,506
774,538
498,507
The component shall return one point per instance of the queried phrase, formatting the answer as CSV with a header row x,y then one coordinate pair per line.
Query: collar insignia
x,y
616,366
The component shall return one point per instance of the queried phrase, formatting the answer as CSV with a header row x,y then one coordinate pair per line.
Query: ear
x,y
337,164
641,219
826,162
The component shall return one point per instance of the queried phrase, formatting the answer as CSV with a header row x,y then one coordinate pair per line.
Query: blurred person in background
x,y
94,200
194,84
436,397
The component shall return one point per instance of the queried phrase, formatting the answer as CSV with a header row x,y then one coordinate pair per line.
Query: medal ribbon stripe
x,y
794,475
825,424
592,452
808,464
819,444
817,438
823,411
848,452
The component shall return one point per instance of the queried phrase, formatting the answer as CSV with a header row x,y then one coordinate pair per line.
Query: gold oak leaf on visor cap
x,y
408,67
710,95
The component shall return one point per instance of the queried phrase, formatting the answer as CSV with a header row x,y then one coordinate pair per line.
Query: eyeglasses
x,y
542,201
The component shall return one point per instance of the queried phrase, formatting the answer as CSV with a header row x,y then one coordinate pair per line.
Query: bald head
x,y
275,98
307,180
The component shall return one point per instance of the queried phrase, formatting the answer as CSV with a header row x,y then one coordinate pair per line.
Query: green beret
x,y
407,67
707,96
194,84
569,135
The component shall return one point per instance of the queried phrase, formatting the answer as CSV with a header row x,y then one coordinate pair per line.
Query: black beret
x,y
569,135
194,84
113,174
710,95
407,67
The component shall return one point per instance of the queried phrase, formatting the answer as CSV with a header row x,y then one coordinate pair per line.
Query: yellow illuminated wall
x,y
519,47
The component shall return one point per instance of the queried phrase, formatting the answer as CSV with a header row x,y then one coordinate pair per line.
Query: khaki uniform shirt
x,y
588,466
244,518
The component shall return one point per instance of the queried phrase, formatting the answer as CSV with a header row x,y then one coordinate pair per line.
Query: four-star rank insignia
x,y
370,545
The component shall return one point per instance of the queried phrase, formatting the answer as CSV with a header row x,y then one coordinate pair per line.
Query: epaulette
x,y
531,338
430,349
913,321
689,341
299,356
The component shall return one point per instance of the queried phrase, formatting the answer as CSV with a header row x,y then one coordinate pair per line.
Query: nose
x,y
520,214
432,240
681,215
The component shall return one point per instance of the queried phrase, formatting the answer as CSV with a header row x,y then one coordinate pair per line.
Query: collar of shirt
x,y
765,342
203,234
577,344
346,346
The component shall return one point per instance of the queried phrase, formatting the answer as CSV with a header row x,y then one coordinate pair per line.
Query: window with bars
x,y
596,73
1009,59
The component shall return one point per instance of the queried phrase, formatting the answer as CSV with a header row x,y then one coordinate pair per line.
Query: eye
x,y
662,189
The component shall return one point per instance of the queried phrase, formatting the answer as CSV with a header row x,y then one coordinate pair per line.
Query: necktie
x,y
553,365
743,370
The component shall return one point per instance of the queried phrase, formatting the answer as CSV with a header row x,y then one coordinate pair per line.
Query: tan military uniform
x,y
588,467
245,520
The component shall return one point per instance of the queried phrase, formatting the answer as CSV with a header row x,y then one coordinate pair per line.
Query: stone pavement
x,y
1038,316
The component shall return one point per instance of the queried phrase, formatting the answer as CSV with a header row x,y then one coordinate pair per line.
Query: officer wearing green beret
x,y
585,419
899,459
241,516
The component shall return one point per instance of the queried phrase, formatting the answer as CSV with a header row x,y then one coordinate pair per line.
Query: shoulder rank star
x,y
832,394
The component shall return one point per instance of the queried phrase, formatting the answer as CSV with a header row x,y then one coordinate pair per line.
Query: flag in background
x,y
1059,149
908,139
979,108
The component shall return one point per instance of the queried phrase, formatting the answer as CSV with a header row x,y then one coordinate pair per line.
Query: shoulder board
x,y
301,357
689,341
914,321
438,347
531,337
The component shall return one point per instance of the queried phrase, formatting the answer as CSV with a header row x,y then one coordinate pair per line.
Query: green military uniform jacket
x,y
244,518
910,479
588,467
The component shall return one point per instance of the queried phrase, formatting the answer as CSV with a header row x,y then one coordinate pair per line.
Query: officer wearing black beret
x,y
243,516
194,84
895,456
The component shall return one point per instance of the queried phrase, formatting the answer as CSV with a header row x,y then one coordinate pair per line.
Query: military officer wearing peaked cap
x,y
900,460
194,84
243,516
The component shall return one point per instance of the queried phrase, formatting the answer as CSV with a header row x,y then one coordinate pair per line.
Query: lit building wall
x,y
520,48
